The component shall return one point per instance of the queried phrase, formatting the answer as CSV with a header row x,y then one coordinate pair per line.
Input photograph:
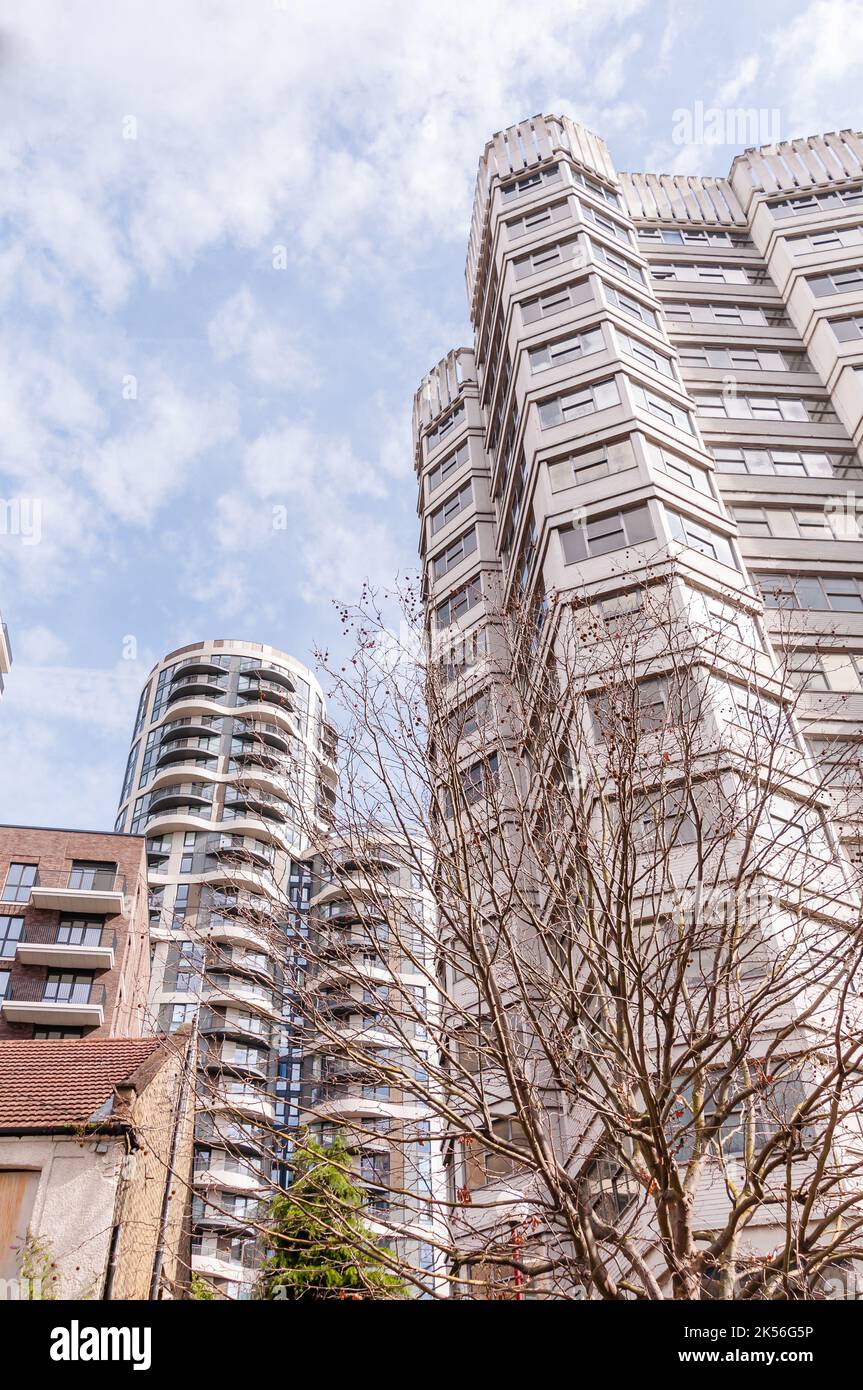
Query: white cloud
x,y
240,329
39,646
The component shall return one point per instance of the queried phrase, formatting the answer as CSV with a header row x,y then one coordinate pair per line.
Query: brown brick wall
x,y
126,986
169,1094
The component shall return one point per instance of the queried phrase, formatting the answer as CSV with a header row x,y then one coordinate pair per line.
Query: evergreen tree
x,y
321,1247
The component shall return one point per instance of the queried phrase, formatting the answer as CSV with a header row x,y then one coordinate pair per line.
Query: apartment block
x,y
232,760
74,949
366,1005
665,370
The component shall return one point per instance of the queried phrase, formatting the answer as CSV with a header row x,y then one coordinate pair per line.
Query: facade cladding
x,y
232,760
662,365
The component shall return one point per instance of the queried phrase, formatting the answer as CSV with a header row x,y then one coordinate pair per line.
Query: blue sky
x,y
164,385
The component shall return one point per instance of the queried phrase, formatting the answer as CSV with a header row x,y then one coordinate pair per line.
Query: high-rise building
x,y
232,760
74,952
366,1004
661,365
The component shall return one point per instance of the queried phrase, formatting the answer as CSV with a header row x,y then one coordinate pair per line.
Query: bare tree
x,y
633,1016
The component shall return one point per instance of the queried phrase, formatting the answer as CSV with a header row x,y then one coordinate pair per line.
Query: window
x,y
79,931
612,1189
566,350
459,603
681,469
671,236
602,534
591,464
456,502
605,223
538,217
615,261
545,256
842,593
839,282
712,273
529,183
744,359
848,330
806,671
442,470
10,933
600,396
630,306
455,553
593,186
805,205
20,878
5,977
68,988
737,407
508,1131
787,463
657,360
446,426
92,874
758,315
699,537
752,521
561,297
662,408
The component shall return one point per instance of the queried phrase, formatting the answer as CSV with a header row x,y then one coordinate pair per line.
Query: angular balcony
x,y
97,891
67,945
55,1003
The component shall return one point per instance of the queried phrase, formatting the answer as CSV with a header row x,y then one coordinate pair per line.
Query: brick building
x,y
74,955
95,1166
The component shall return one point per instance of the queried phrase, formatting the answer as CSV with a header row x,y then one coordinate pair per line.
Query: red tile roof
x,y
55,1083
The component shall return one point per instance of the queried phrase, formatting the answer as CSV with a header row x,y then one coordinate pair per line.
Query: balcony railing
x,y
82,936
81,880
57,992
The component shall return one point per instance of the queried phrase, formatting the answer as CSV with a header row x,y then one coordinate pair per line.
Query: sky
x,y
232,243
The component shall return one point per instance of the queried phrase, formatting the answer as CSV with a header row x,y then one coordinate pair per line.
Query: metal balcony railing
x,y
85,880
68,934
55,992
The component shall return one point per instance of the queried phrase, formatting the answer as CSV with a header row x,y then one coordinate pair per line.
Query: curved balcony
x,y
219,1129
265,804
208,687
267,671
181,818
246,1101
235,992
193,775
234,961
231,1023
185,750
270,735
222,1058
199,665
176,794
265,694
233,931
216,1177
236,850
